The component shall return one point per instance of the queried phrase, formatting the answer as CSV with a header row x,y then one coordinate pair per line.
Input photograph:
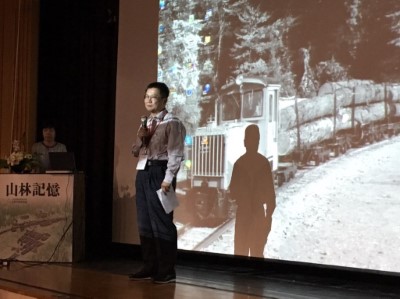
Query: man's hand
x,y
142,132
165,186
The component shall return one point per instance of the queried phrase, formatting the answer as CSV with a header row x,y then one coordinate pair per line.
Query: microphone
x,y
143,120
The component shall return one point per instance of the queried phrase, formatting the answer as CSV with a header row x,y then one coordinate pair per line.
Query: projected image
x,y
321,82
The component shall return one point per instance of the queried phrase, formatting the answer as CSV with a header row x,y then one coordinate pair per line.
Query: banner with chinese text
x,y
36,217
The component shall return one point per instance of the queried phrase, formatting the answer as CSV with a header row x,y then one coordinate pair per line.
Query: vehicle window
x,y
230,107
252,104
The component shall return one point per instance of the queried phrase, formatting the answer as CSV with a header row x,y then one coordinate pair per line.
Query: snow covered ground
x,y
345,212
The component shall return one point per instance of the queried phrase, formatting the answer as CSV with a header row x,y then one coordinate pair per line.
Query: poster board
x,y
37,217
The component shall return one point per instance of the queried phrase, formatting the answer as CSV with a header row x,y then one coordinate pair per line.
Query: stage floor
x,y
108,279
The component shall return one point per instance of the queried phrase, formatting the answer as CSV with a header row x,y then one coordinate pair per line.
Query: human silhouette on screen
x,y
252,188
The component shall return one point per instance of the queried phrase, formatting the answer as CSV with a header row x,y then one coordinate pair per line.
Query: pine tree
x,y
261,47
178,67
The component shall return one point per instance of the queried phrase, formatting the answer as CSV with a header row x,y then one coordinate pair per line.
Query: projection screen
x,y
320,80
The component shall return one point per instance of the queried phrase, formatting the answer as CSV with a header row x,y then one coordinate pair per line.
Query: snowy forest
x,y
301,44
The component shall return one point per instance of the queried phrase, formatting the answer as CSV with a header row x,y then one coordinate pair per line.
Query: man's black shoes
x,y
161,279
147,275
140,275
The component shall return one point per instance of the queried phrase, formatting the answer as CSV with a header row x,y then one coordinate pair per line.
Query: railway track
x,y
197,238
206,236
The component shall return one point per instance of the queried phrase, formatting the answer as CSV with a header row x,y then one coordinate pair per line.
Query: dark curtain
x,y
76,90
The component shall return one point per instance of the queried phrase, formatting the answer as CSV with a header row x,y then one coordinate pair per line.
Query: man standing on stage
x,y
160,148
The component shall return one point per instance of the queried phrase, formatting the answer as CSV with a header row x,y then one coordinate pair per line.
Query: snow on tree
x,y
178,67
395,18
331,71
217,30
308,85
251,43
354,25
280,58
260,48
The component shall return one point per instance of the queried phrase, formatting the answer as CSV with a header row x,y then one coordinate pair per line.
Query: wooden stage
x,y
108,279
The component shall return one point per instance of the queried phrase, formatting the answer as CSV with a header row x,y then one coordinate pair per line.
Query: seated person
x,y
49,144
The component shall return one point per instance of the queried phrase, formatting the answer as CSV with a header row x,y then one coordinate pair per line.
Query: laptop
x,y
61,162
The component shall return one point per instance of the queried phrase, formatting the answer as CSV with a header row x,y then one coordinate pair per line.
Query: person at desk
x,y
160,148
48,144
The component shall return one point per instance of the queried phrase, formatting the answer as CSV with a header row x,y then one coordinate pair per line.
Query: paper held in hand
x,y
168,200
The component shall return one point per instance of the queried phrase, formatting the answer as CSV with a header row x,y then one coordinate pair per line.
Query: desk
x,y
42,217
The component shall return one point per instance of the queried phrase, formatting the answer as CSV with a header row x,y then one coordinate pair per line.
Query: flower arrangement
x,y
21,162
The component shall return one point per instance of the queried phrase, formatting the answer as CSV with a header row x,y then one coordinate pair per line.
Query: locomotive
x,y
216,146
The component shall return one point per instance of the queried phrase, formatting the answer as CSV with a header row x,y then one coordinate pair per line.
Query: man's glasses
x,y
153,98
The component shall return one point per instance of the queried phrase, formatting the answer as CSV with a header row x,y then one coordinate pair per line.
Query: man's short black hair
x,y
48,125
162,87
